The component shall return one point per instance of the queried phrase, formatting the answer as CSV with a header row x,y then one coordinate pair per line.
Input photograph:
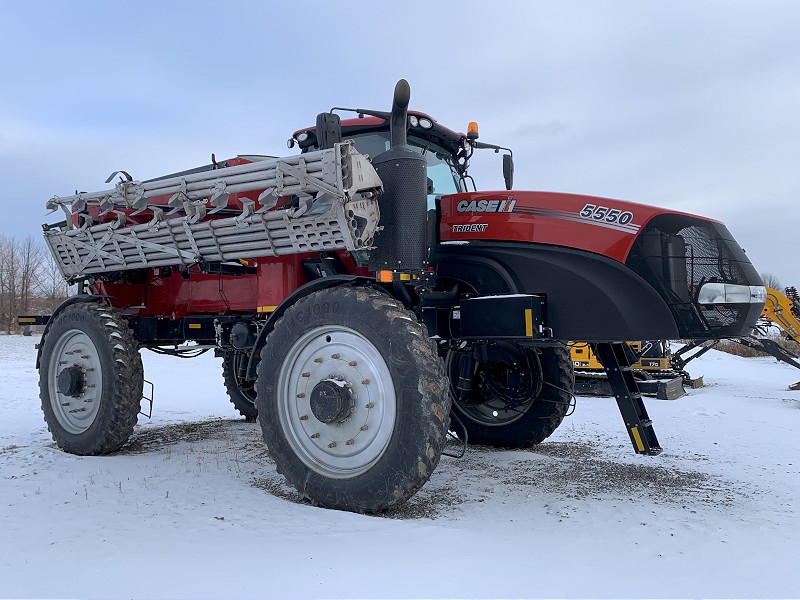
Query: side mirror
x,y
328,130
508,171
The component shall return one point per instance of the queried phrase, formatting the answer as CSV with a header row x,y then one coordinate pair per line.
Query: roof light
x,y
425,123
302,136
413,121
472,130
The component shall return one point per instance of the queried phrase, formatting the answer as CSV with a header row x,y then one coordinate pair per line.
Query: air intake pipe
x,y
401,245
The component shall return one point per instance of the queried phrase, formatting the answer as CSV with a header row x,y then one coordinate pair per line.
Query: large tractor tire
x,y
352,400
90,379
518,398
241,393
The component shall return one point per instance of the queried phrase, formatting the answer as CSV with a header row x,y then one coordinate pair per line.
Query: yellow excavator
x,y
784,311
651,365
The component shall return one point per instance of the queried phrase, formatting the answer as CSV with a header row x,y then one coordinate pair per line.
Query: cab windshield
x,y
440,163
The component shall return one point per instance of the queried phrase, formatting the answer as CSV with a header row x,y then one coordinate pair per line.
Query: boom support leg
x,y
617,364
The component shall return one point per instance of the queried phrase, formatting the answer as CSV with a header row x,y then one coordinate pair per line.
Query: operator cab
x,y
442,172
446,152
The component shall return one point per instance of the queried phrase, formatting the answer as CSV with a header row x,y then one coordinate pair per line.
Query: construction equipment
x,y
652,356
783,311
651,367
357,292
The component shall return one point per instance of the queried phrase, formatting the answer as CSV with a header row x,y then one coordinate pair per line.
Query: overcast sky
x,y
689,105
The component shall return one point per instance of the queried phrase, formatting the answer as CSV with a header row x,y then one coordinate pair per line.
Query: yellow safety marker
x,y
266,309
26,320
195,326
637,438
529,322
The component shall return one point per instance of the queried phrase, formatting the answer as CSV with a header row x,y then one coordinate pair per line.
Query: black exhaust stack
x,y
401,245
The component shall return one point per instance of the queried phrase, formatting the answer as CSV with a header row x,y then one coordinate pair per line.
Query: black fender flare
x,y
68,302
312,286
590,297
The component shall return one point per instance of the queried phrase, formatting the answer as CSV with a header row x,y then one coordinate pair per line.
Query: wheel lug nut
x,y
352,363
314,436
365,382
369,405
352,409
304,417
335,356
306,374
301,395
363,428
350,442
318,360
332,445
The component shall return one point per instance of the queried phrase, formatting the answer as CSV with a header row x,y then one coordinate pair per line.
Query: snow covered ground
x,y
193,507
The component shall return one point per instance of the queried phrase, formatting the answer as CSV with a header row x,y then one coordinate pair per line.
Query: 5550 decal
x,y
608,215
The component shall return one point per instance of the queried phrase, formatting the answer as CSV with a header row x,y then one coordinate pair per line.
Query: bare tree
x,y
30,282
771,281
30,261
9,282
51,289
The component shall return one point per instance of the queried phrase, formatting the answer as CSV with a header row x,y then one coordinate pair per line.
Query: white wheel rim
x,y
75,413
344,449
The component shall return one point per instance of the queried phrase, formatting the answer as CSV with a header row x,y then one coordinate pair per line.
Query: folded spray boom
x,y
337,191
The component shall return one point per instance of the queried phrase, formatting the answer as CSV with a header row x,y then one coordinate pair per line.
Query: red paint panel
x,y
168,293
601,225
279,277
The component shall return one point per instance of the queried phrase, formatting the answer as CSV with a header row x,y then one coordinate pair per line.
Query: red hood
x,y
601,225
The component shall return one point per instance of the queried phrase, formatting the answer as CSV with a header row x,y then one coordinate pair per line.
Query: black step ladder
x,y
616,358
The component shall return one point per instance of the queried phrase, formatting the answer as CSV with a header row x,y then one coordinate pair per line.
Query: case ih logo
x,y
496,206
472,227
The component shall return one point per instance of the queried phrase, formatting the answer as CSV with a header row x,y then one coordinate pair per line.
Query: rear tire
x,y
90,379
352,400
242,394
497,415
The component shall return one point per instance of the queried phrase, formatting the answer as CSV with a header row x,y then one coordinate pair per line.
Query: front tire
x,y
519,395
90,379
354,404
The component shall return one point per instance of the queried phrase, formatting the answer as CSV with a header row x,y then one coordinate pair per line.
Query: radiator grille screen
x,y
676,255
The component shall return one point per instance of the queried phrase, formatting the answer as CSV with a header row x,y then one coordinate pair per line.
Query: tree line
x,y
30,282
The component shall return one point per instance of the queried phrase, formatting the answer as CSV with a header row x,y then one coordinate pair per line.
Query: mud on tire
x,y
354,402
90,379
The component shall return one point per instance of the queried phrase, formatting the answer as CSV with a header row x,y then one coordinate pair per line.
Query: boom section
x,y
337,208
